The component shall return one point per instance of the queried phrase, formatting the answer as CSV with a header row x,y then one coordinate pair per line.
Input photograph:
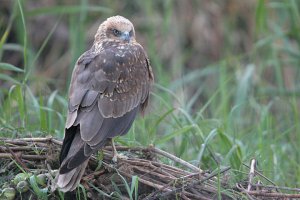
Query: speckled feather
x,y
110,84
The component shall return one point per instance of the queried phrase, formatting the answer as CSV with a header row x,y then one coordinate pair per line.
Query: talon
x,y
115,159
118,156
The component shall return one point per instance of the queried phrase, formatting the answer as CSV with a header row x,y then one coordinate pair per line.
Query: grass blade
x,y
10,67
174,134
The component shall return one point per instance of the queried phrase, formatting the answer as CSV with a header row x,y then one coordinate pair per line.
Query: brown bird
x,y
110,85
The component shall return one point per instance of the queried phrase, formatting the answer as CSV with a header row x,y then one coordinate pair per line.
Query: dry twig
x,y
156,179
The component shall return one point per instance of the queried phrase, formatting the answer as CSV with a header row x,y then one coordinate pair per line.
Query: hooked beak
x,y
125,36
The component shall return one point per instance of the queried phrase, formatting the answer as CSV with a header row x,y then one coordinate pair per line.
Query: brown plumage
x,y
110,85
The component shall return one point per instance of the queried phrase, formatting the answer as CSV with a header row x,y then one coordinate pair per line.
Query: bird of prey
x,y
110,84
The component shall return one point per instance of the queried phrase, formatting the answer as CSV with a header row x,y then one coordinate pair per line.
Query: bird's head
x,y
117,28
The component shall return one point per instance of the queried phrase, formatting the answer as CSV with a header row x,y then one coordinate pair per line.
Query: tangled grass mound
x,y
29,166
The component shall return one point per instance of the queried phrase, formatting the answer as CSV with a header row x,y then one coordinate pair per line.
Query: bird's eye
x,y
116,32
131,33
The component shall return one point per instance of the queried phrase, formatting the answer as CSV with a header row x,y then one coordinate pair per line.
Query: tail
x,y
73,161
69,181
74,157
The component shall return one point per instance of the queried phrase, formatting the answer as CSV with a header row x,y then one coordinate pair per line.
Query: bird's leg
x,y
116,156
115,153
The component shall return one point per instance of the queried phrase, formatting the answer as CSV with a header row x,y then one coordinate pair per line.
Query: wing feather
x,y
90,124
71,118
112,127
89,98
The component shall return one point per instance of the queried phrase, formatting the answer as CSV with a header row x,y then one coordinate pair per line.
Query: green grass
x,y
244,105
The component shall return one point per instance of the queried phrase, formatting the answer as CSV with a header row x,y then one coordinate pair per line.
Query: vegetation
x,y
226,77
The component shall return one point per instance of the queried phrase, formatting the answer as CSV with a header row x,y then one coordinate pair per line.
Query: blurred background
x,y
226,76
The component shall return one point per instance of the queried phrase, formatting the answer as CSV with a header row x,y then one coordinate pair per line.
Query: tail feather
x,y
69,181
